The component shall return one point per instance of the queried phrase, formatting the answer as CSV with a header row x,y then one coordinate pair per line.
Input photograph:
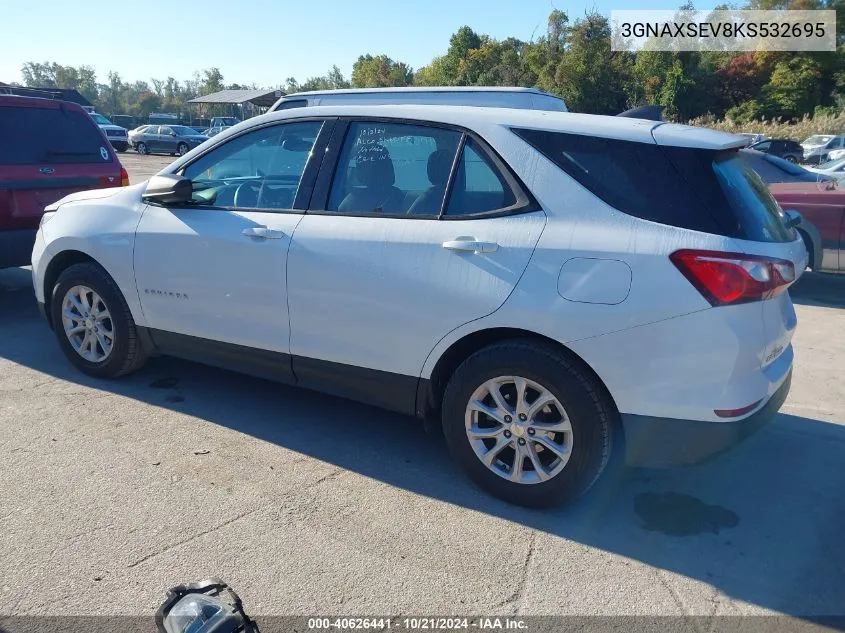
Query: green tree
x,y
380,71
793,89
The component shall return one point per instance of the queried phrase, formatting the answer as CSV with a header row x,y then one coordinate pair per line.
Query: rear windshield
x,y
689,188
33,136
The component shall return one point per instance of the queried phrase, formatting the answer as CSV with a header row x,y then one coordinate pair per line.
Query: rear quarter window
x,y
698,189
635,178
50,135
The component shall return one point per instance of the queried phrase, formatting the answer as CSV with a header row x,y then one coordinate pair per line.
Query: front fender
x,y
100,230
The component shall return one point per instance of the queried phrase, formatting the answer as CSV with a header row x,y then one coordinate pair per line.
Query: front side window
x,y
166,130
261,169
393,168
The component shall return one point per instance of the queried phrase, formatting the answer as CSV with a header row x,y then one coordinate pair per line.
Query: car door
x,y
166,141
403,243
150,137
211,274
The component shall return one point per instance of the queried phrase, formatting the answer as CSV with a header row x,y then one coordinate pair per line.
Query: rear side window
x,y
478,186
295,103
635,178
33,136
698,189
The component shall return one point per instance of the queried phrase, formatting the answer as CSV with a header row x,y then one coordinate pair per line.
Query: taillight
x,y
124,177
731,278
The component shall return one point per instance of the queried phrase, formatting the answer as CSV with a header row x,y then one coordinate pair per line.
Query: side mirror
x,y
168,189
173,134
791,218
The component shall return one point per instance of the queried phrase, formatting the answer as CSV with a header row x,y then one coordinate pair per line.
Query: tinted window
x,y
478,185
754,206
287,105
257,170
49,135
703,190
393,168
635,178
764,146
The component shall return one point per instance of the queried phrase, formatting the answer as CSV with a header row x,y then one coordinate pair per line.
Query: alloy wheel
x,y
519,429
87,324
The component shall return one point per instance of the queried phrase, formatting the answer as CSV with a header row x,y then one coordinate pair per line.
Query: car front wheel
x,y
528,424
93,324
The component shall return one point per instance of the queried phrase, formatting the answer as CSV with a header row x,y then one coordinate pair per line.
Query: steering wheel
x,y
248,194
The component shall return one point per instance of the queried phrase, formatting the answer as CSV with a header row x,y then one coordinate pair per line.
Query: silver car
x,y
165,139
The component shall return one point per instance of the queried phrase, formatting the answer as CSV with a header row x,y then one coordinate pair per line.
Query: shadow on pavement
x,y
763,524
819,289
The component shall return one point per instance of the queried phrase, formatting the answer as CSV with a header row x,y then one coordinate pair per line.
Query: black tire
x,y
142,148
182,149
593,417
127,354
791,159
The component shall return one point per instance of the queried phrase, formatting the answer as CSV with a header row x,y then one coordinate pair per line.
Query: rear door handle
x,y
263,232
470,245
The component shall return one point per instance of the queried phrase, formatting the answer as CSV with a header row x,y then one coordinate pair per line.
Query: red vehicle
x,y
48,149
822,209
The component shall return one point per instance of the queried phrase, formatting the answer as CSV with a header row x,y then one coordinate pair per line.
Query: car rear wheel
x,y
93,324
142,148
791,159
527,423
182,149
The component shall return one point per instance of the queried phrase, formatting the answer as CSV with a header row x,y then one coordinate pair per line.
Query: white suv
x,y
557,288
118,136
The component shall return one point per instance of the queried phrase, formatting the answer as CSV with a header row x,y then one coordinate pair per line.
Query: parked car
x,y
166,139
505,271
223,121
773,169
752,137
818,147
782,148
834,168
836,154
214,131
499,97
116,135
49,148
822,224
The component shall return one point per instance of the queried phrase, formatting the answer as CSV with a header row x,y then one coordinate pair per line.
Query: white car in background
x,y
817,148
836,154
557,289
117,136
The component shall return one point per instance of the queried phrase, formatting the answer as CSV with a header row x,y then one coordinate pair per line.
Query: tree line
x,y
572,58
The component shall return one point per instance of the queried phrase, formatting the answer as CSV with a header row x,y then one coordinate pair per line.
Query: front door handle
x,y
263,232
470,245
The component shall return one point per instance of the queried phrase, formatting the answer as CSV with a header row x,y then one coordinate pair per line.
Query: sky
x,y
260,41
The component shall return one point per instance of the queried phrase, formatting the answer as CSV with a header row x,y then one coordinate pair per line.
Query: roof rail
x,y
22,91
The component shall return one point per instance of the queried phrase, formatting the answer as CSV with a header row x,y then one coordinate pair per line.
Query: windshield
x,y
100,119
818,139
183,130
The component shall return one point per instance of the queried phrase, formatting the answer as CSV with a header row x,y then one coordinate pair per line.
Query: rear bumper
x,y
16,247
664,442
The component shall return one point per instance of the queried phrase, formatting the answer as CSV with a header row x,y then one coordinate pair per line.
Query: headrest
x,y
373,167
439,166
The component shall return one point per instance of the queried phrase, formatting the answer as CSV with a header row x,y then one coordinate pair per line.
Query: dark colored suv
x,y
48,149
783,148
